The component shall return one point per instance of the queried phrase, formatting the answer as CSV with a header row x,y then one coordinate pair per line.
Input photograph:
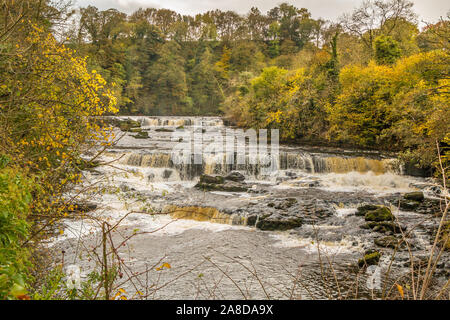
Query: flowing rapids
x,y
209,238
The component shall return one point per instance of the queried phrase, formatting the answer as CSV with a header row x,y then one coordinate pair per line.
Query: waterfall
x,y
146,121
224,163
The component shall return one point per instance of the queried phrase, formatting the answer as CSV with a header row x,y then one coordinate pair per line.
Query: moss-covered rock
x,y
380,214
414,196
384,227
128,125
142,135
279,222
205,178
369,259
362,210
164,130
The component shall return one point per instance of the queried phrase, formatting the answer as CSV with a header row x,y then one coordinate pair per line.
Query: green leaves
x,y
15,199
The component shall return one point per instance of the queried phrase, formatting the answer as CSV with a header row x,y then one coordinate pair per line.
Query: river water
x,y
212,251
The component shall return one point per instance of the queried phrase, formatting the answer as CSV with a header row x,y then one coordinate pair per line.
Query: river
x,y
208,238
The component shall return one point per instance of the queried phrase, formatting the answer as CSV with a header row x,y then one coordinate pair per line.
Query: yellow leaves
x,y
274,117
121,295
164,265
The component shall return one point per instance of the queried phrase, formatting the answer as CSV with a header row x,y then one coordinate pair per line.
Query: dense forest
x,y
371,79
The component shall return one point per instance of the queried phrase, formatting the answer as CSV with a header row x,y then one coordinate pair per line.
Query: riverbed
x,y
201,244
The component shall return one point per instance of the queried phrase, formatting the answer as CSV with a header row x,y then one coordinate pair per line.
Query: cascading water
x,y
303,162
309,192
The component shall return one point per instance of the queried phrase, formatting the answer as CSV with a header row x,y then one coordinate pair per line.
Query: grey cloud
x,y
428,10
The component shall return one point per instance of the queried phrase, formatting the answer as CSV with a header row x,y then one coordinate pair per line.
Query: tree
x,y
257,24
387,50
204,87
400,107
372,17
294,24
168,82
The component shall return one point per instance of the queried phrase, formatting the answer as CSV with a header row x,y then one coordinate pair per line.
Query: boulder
x,y
369,259
387,242
286,203
279,222
164,130
128,125
141,135
235,176
380,214
204,178
362,210
167,173
414,196
425,206
409,205
228,186
384,227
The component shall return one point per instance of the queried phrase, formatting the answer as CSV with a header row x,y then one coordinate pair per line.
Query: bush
x,y
15,199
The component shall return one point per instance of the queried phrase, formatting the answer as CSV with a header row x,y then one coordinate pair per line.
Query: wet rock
x,y
141,135
369,259
228,186
291,174
235,176
409,205
279,222
414,196
414,202
251,220
380,214
204,178
218,183
387,242
430,206
128,125
286,203
164,130
167,174
384,227
362,210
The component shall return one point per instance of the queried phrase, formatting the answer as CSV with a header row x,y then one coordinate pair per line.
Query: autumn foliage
x,y
47,101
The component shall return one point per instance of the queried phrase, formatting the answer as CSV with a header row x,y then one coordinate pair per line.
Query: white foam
x,y
285,240
370,182
344,212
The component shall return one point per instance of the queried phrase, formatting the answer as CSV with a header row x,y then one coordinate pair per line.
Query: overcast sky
x,y
428,10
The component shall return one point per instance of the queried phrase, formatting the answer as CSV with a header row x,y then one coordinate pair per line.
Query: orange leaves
x,y
400,290
164,265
